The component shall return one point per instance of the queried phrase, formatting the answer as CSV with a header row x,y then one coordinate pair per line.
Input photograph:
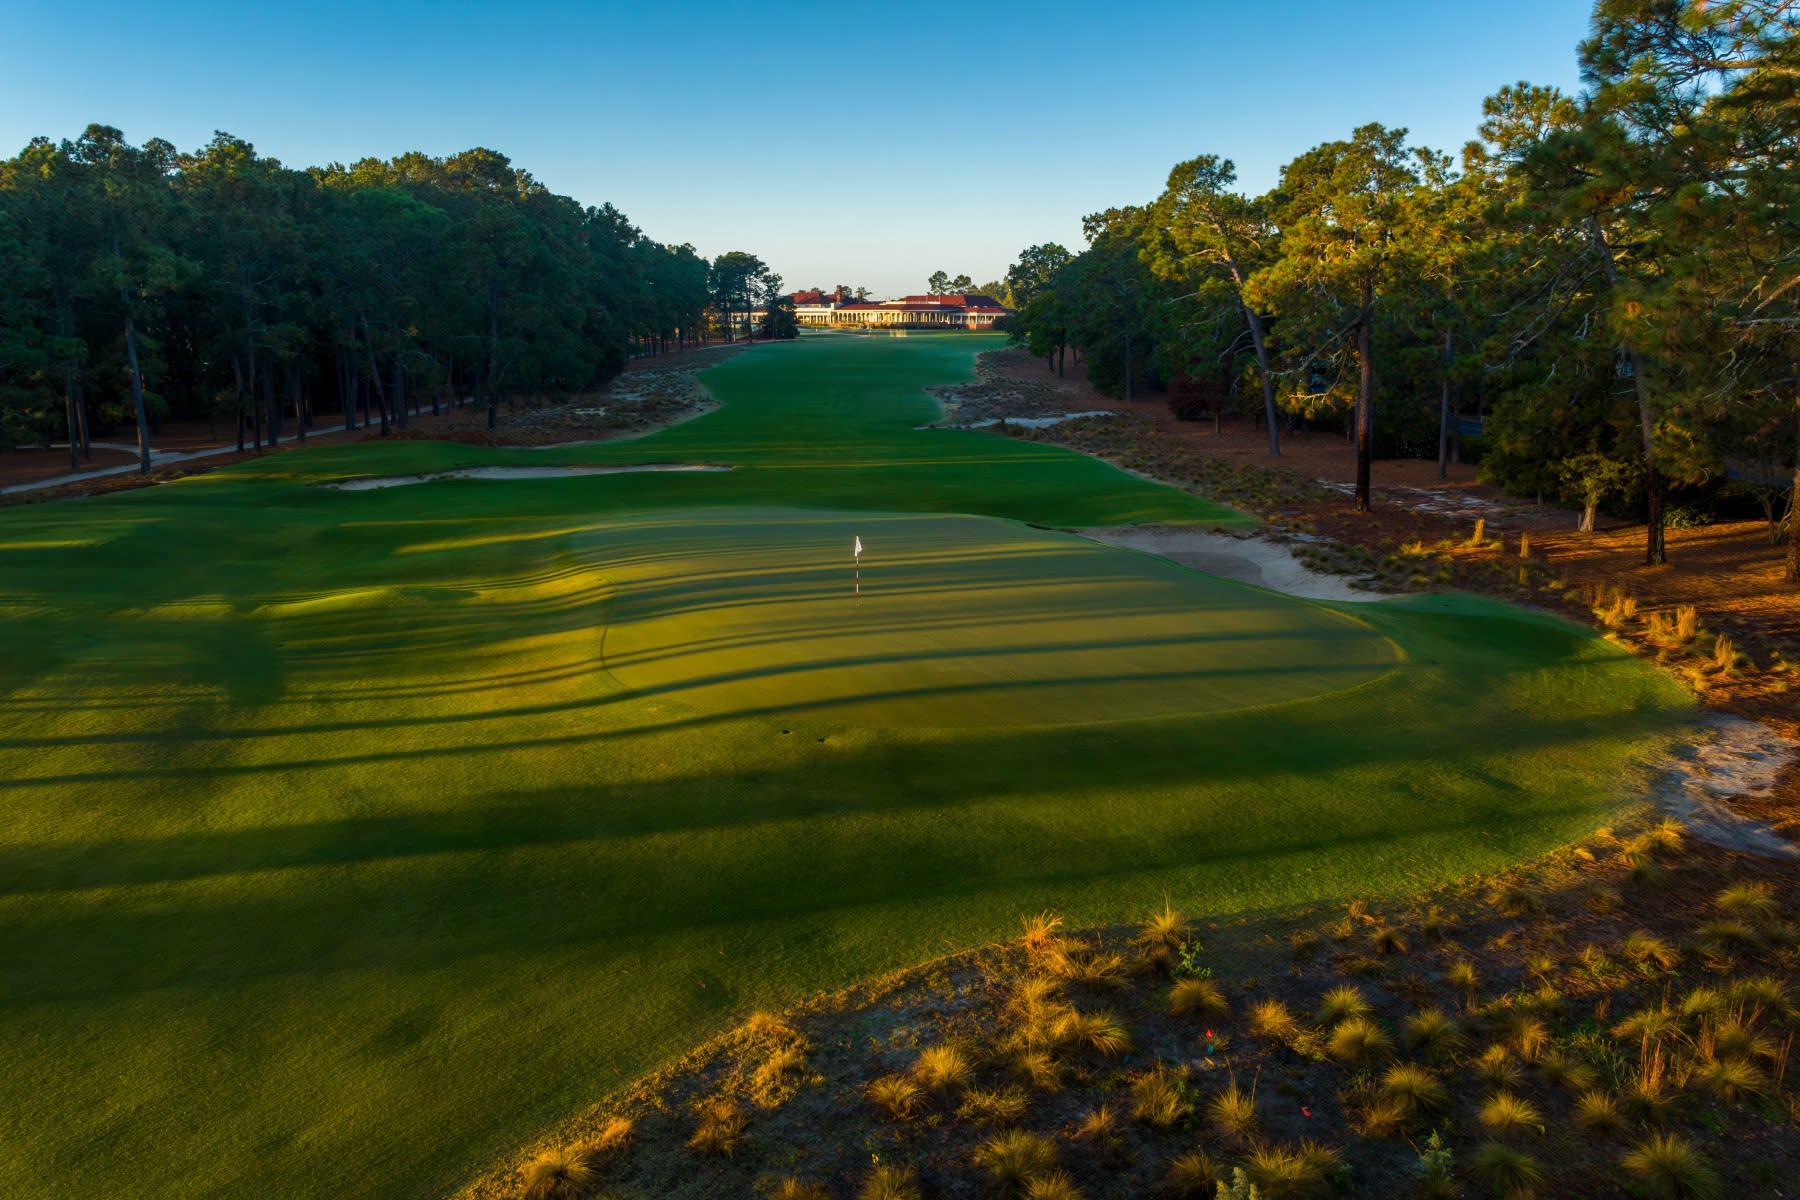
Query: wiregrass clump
x,y
561,1173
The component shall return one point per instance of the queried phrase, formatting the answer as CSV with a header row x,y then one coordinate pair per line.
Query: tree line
x,y
1607,284
139,283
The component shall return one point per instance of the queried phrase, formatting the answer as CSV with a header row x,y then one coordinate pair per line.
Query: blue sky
x,y
842,143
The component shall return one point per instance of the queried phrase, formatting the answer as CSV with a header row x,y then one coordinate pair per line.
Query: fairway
x,y
352,837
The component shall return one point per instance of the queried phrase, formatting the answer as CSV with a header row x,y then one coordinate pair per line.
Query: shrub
x,y
1193,1176
1035,1002
1437,1169
773,1080
1753,902
1732,1080
1667,836
992,1106
1083,964
1687,622
1649,1025
613,1136
1100,1124
896,1095
1434,1033
1505,1171
890,1183
765,1027
1015,1159
1057,1185
1763,994
1039,1071
1101,1032
791,1188
940,1067
1597,1112
1380,1118
1516,900
559,1174
1273,1020
1701,1002
1159,1097
1509,1112
1417,1089
1342,1002
1647,1099
1359,1040
1281,1173
1233,1112
1197,998
1496,1068
1558,1070
1725,654
1671,1169
1643,948
720,1129
1240,1187
1527,1036
1038,933
1166,929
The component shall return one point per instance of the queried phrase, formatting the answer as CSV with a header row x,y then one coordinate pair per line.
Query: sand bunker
x,y
387,481
1741,758
1241,558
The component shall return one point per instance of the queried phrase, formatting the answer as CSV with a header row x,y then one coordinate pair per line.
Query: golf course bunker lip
x,y
1242,558
387,481
950,622
1021,422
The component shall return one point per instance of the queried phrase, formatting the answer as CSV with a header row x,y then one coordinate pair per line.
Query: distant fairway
x,y
352,837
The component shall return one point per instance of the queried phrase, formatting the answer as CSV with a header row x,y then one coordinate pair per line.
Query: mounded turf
x,y
351,837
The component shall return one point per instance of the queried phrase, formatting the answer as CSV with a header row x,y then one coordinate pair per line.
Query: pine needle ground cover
x,y
353,836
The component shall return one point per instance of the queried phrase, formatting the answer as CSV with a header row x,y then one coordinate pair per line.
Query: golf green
x,y
951,622
352,838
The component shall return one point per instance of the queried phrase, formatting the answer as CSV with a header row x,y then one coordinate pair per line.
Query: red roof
x,y
971,303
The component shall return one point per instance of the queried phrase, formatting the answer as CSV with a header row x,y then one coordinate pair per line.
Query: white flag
x,y
858,551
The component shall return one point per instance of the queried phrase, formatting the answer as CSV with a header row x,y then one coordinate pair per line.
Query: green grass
x,y
340,858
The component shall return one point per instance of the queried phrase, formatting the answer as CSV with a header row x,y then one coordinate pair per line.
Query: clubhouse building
x,y
836,311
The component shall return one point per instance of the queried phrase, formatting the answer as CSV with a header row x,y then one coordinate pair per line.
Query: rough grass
x,y
354,763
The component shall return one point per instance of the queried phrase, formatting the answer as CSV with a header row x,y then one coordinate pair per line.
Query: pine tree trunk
x,y
493,369
293,378
1444,415
74,424
1365,394
1587,518
87,443
1261,347
1793,546
381,397
399,376
269,403
237,395
1655,555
